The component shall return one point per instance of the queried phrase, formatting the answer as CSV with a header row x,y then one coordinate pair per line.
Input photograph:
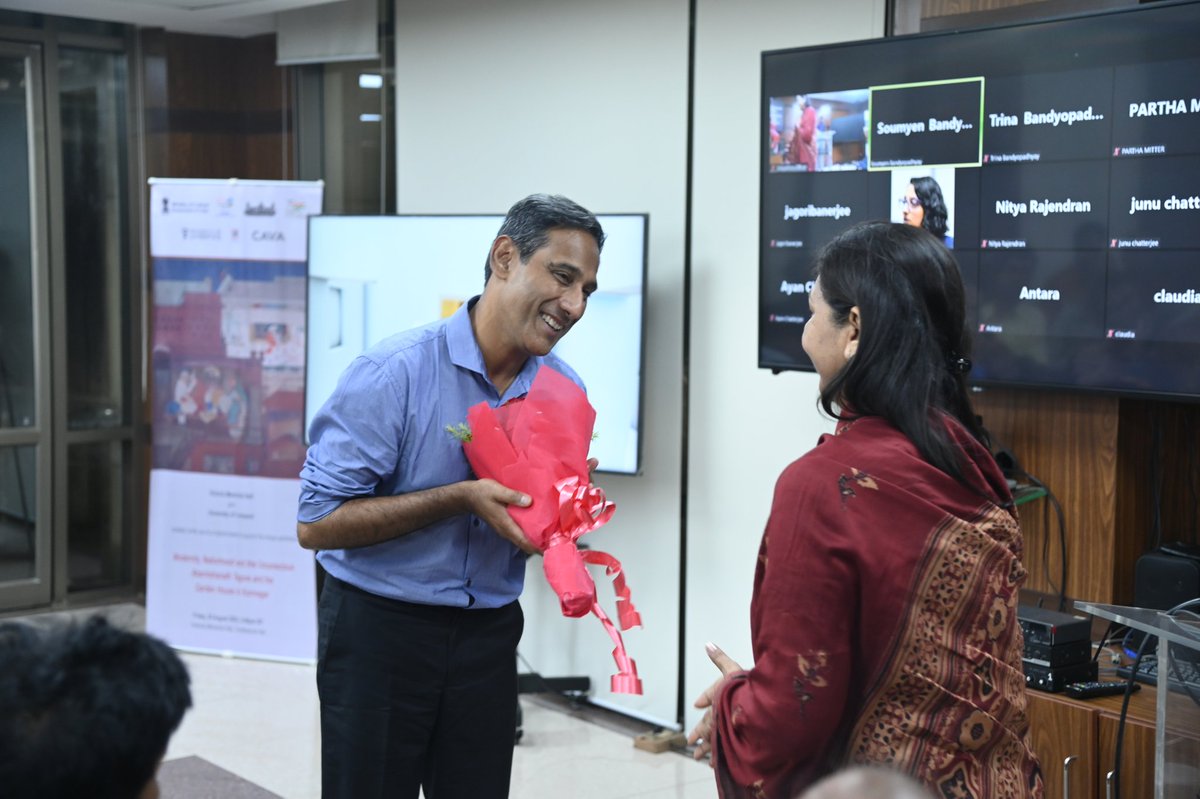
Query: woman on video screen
x,y
925,207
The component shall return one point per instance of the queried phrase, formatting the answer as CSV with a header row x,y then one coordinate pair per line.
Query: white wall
x,y
745,424
498,100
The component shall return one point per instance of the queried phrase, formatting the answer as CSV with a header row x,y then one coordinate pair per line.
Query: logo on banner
x,y
297,208
266,235
179,207
262,209
201,233
225,207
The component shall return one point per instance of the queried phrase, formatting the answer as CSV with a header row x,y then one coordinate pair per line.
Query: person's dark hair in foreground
x,y
530,220
883,618
937,216
86,710
914,355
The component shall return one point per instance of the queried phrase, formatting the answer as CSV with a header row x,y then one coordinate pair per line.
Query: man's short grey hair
x,y
530,221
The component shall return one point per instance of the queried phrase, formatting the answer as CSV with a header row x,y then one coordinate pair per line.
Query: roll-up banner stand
x,y
224,572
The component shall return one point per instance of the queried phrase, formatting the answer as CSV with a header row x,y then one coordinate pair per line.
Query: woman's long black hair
x,y
937,216
914,347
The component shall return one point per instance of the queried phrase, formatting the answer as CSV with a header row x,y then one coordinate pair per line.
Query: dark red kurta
x,y
884,627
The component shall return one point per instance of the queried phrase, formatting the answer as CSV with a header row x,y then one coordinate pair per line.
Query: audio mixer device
x,y
1058,648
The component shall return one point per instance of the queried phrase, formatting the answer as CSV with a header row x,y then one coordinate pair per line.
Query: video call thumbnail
x,y
929,124
1044,293
1155,203
818,132
1048,117
1153,296
1155,109
924,197
803,211
783,306
1032,206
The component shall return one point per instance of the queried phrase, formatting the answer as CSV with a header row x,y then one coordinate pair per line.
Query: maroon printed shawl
x,y
884,627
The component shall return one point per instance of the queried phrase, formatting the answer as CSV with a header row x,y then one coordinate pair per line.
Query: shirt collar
x,y
465,353
460,339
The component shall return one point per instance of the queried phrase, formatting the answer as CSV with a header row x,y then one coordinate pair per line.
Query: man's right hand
x,y
489,501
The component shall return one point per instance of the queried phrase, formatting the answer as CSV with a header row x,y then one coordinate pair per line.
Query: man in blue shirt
x,y
419,621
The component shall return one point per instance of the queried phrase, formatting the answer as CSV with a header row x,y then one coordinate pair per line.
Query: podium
x,y
1176,739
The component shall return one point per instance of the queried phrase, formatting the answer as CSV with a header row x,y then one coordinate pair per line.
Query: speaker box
x,y
1167,576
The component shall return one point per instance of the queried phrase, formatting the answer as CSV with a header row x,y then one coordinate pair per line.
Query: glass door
x,y
25,523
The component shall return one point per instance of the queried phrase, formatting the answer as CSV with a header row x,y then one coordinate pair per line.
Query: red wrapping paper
x,y
538,445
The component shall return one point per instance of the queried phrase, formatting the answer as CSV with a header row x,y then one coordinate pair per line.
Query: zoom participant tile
x,y
1054,294
926,124
1156,109
1048,117
1057,205
1155,203
1153,296
804,211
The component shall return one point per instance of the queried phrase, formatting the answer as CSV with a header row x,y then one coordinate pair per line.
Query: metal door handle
x,y
1067,775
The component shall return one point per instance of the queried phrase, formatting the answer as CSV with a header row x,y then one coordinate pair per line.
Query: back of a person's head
x,y
529,222
913,345
867,782
86,709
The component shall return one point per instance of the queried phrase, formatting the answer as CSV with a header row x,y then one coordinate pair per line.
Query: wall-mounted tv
x,y
1067,157
372,276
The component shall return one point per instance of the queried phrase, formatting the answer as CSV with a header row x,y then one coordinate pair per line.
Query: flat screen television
x,y
372,276
1067,153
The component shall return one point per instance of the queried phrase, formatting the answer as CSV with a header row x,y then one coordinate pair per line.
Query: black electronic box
x,y
1053,680
1050,628
1055,655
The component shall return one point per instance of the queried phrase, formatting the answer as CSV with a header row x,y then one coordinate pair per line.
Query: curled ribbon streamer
x,y
626,612
538,444
626,680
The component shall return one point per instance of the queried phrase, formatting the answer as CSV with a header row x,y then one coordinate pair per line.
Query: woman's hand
x,y
701,736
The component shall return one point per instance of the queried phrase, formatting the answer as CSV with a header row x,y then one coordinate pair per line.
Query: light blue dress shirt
x,y
382,432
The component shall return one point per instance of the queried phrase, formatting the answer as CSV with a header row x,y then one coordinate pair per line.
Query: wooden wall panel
x,y
1099,457
1158,474
216,107
1069,442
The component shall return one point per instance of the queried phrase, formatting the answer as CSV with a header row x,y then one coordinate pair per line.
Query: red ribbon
x,y
538,445
581,507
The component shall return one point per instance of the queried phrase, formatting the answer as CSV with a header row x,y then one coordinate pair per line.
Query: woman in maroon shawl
x,y
883,620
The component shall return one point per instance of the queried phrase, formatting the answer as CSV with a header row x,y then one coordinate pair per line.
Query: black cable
x,y
1112,627
1061,589
1187,687
1046,552
545,686
1116,770
1162,686
1156,480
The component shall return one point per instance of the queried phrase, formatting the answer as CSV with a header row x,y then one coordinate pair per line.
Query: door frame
x,y
38,589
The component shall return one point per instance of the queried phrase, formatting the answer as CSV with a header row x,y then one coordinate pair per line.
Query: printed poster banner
x,y
224,571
